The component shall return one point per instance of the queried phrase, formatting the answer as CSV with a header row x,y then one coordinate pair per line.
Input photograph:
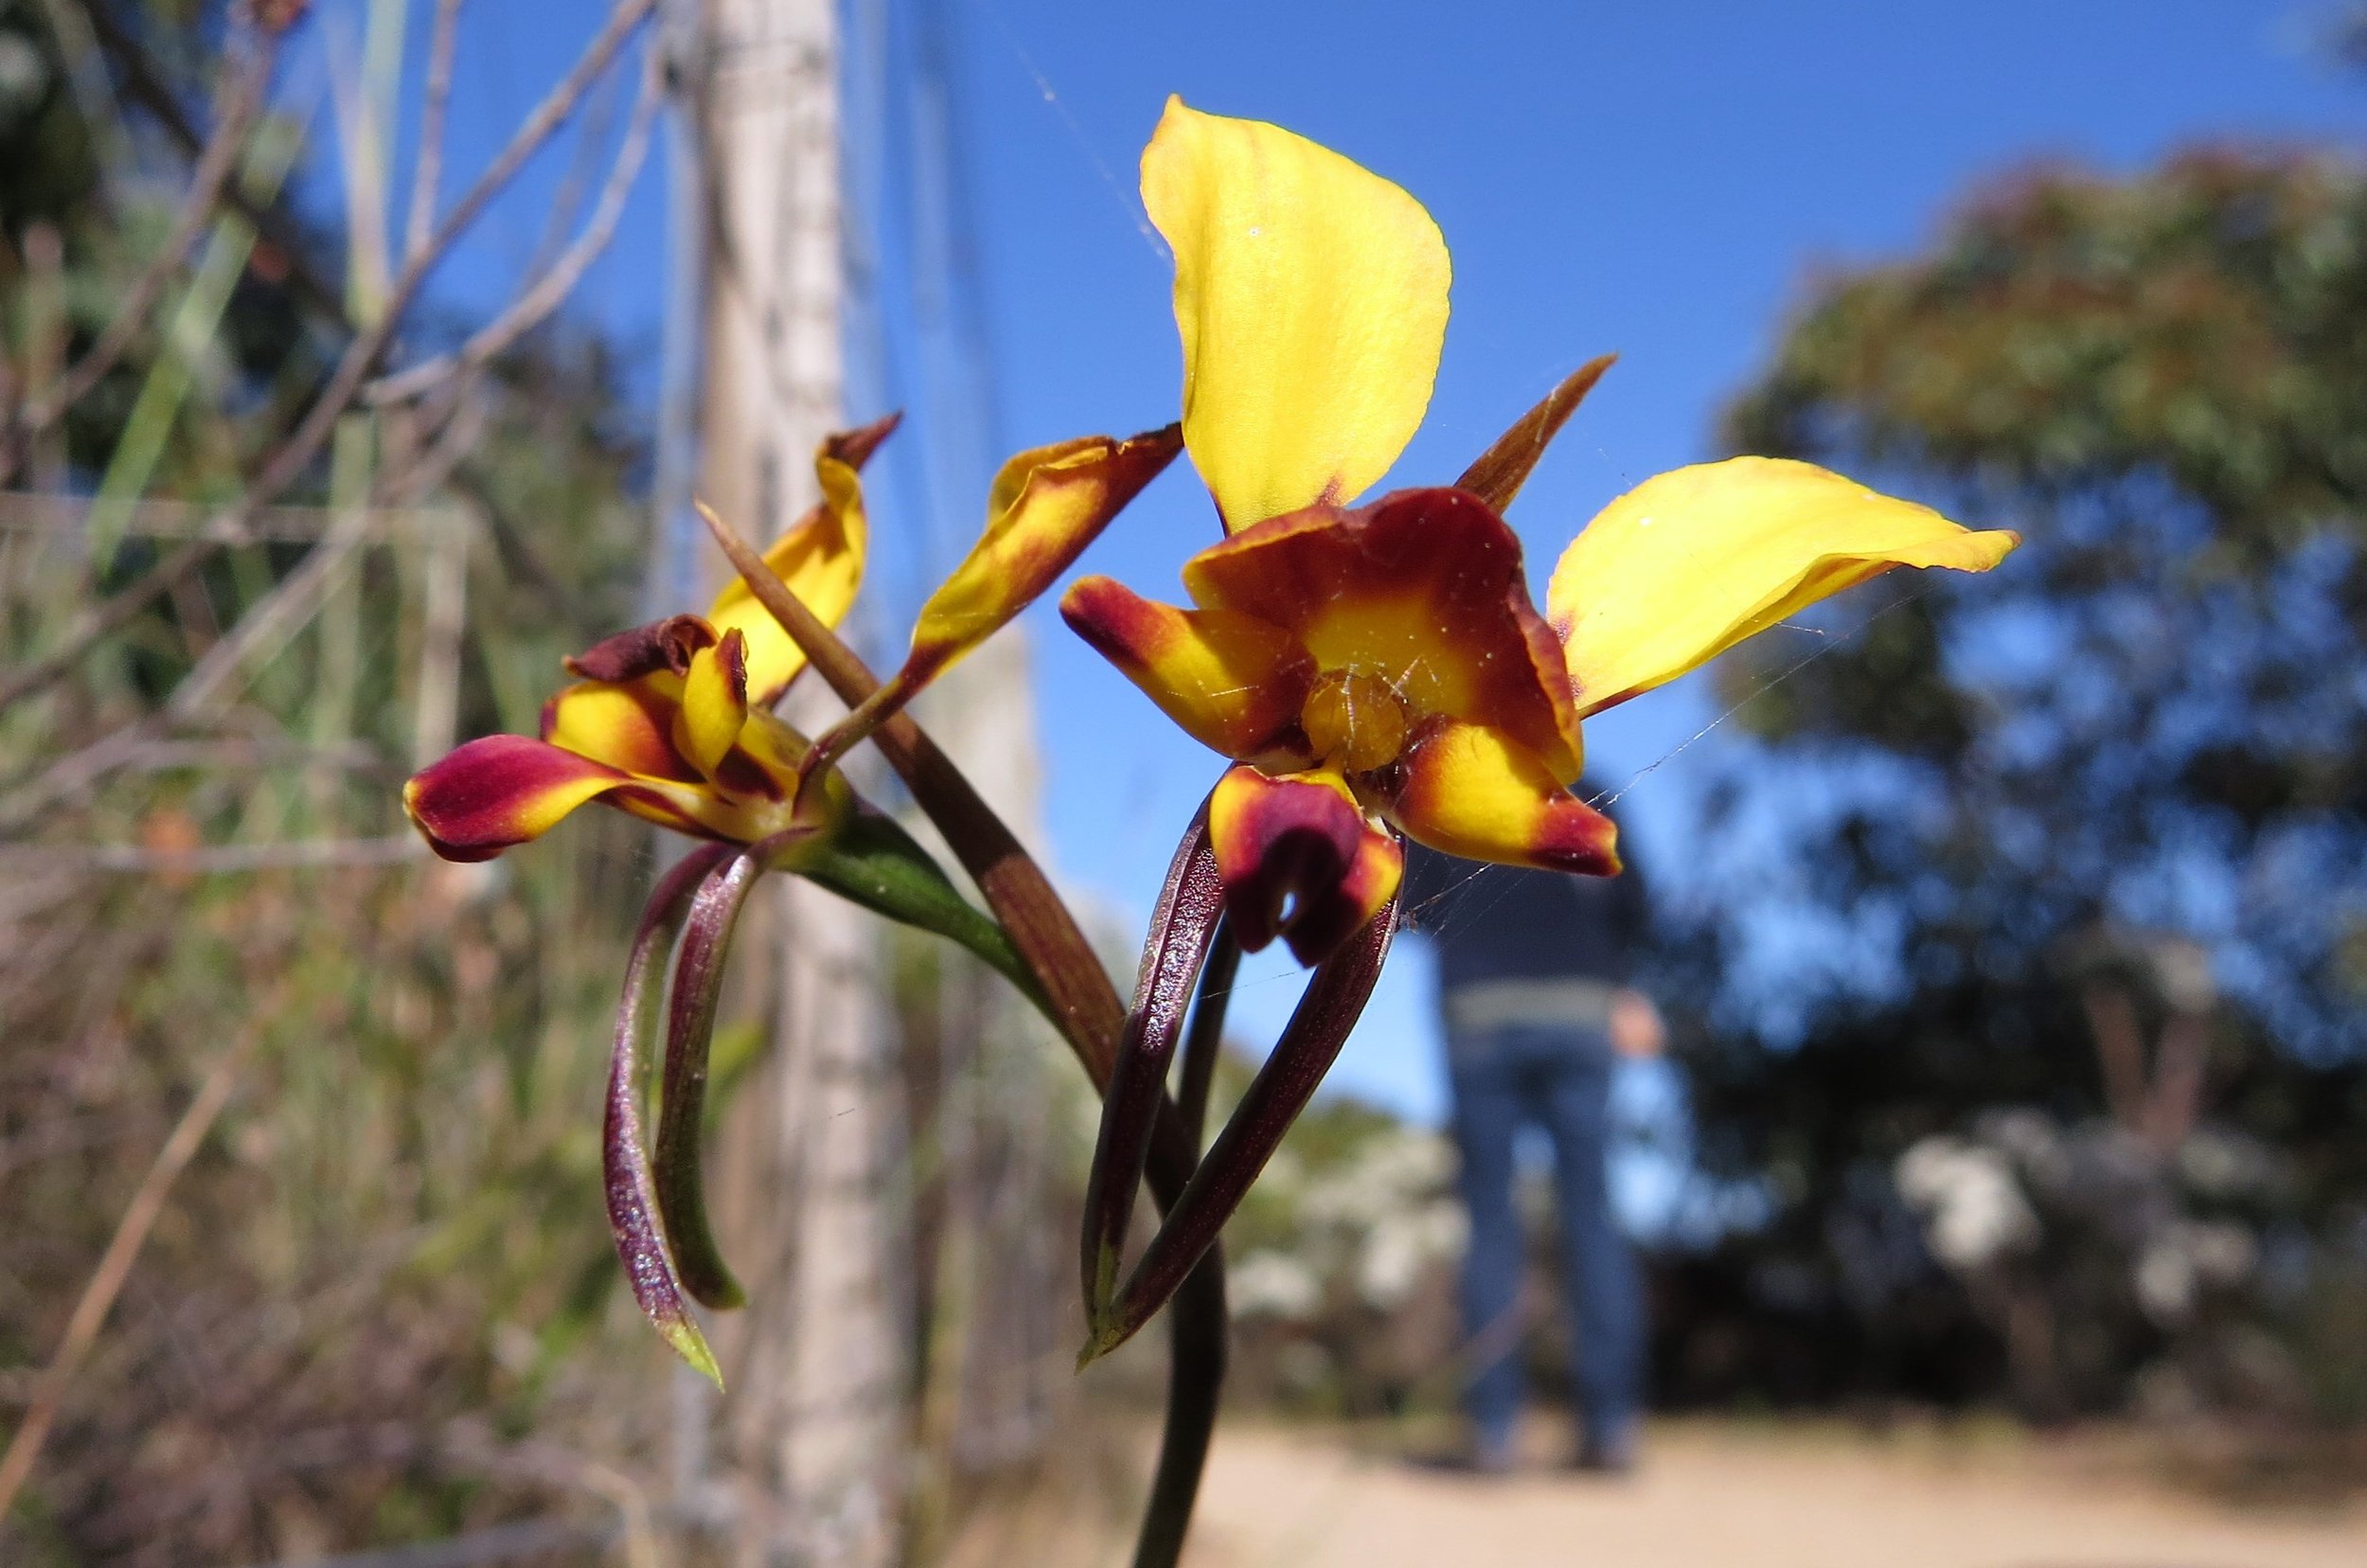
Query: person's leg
x,y
1486,1117
1599,1269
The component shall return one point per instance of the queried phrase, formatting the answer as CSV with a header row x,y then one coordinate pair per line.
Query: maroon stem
x,y
1335,998
1182,927
632,1204
682,1108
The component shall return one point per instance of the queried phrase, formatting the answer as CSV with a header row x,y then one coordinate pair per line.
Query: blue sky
x,y
1658,180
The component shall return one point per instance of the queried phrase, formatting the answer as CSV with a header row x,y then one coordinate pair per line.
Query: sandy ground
x,y
1714,1495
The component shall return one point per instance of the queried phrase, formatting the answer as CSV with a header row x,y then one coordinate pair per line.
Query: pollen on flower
x,y
1354,722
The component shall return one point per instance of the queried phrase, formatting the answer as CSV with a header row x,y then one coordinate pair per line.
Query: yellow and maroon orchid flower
x,y
672,723
1386,659
1380,668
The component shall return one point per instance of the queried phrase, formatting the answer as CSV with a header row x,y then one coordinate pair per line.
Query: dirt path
x,y
1713,1496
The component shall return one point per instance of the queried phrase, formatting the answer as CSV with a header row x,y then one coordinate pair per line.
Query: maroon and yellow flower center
x,y
1354,722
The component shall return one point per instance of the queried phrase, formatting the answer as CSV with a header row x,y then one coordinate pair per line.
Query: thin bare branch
x,y
145,86
242,102
531,308
61,516
436,99
218,859
76,771
276,616
304,443
114,1265
452,444
536,129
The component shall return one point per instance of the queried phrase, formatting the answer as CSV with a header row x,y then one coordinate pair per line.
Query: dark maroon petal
x,y
644,650
854,447
1298,861
1180,929
1503,469
501,791
632,1203
1335,999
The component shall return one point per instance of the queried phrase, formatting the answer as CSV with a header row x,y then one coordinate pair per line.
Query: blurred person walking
x,y
1535,991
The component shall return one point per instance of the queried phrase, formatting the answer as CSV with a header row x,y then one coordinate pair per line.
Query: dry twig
x,y
243,103
531,308
114,1265
435,97
290,460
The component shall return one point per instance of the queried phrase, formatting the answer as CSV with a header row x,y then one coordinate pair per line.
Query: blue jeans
x,y
1558,1078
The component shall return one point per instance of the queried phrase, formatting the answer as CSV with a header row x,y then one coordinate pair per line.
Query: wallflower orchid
x,y
1380,670
672,723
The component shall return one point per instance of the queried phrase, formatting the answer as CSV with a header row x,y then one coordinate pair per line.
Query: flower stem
x,y
1084,1007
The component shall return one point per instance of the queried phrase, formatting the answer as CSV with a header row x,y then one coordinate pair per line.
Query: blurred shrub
x,y
1989,1154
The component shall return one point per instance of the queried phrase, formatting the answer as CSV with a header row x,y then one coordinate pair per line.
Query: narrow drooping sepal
x,y
1298,860
1335,999
1045,507
505,789
822,555
1464,789
632,1201
681,1102
1180,929
1500,472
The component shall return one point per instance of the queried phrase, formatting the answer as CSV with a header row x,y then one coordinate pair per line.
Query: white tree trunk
x,y
810,1169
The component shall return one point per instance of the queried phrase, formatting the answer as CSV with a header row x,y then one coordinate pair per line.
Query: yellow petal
x,y
627,724
1047,505
1690,562
1467,790
821,557
506,789
1044,507
1233,681
714,703
1311,296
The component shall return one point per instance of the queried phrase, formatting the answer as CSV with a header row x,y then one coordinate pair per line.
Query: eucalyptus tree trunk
x,y
809,1165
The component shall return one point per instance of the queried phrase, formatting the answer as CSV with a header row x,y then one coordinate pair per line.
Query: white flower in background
x,y
2224,1165
1973,1209
1392,1173
1273,1285
1398,1250
2185,1259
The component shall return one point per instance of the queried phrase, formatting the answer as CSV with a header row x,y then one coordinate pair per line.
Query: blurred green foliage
x,y
366,1311
2149,724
